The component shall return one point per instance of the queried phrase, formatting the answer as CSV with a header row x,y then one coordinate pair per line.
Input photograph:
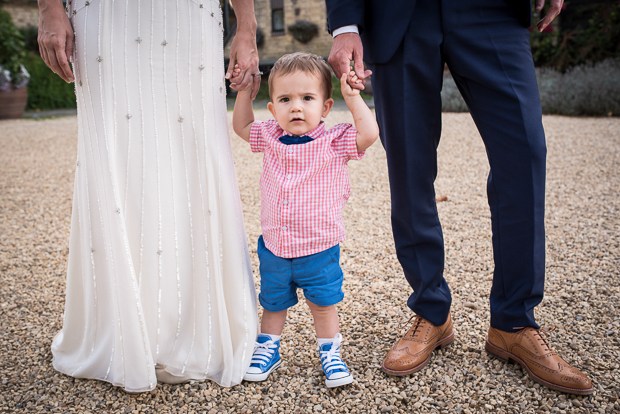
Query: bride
x,y
159,282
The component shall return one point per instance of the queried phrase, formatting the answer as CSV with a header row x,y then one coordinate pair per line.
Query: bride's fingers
x,y
231,67
255,86
63,64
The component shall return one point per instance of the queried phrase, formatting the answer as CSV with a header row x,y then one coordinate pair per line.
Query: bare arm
x,y
365,121
56,38
243,114
243,49
554,10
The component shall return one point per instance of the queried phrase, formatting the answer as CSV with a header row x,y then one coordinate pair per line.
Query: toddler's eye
x,y
284,100
307,98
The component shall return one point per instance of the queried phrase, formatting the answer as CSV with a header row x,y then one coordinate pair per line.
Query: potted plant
x,y
303,30
13,74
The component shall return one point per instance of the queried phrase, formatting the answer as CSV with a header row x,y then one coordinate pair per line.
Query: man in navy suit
x,y
485,43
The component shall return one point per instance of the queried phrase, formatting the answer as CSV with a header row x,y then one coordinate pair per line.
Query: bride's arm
x,y
243,48
55,38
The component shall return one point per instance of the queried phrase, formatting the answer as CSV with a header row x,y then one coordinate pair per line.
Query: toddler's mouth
x,y
297,120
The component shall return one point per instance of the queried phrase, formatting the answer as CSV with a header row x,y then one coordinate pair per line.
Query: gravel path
x,y
582,292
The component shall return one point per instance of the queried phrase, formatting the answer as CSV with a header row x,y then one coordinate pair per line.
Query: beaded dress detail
x,y
159,277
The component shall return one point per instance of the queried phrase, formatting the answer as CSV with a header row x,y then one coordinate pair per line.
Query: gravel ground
x,y
582,292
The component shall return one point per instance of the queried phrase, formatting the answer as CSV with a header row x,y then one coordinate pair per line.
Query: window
x,y
277,16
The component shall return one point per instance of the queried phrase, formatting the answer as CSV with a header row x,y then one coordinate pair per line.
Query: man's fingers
x,y
339,61
359,67
539,5
551,14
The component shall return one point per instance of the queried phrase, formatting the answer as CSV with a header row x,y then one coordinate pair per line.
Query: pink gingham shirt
x,y
304,187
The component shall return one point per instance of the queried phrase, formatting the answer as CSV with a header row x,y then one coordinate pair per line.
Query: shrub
x,y
303,30
451,99
29,34
12,54
46,89
597,42
589,89
582,90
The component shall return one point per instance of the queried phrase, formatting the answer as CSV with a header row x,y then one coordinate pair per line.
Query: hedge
x,y
582,90
47,90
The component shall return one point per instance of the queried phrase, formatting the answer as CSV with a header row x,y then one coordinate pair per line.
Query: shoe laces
x,y
334,351
541,335
331,359
416,324
263,352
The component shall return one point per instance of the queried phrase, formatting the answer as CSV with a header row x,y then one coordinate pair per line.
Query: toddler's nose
x,y
296,106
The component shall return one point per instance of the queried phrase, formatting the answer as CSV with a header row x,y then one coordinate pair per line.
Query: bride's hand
x,y
56,38
243,63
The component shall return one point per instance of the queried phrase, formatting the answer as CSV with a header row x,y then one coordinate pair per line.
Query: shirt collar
x,y
315,133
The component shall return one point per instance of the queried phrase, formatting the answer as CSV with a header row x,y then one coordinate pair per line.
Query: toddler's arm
x,y
243,114
365,121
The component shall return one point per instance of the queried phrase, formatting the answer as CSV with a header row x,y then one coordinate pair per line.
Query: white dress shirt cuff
x,y
352,28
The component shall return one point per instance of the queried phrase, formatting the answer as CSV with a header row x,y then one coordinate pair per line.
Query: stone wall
x,y
278,44
25,13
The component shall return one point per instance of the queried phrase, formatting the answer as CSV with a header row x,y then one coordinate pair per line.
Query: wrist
x,y
46,5
352,98
247,27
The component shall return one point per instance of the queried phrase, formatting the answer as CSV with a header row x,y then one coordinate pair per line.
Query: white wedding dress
x,y
159,281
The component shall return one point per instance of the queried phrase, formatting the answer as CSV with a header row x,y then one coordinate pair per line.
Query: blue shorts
x,y
319,275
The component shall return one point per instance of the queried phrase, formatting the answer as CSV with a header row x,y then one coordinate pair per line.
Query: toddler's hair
x,y
304,62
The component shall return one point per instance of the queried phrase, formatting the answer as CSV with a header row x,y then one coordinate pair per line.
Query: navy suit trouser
x,y
489,56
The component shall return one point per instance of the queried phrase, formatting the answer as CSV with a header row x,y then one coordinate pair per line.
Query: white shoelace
x,y
263,352
331,359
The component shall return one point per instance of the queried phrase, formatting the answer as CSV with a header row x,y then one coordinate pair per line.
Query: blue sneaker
x,y
265,360
334,368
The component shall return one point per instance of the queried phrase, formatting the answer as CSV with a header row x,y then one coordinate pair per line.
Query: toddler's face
x,y
298,102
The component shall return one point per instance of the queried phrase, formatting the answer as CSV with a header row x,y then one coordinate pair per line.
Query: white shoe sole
x,y
339,382
263,376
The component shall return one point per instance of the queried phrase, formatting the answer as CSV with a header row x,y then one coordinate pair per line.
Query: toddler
x,y
304,186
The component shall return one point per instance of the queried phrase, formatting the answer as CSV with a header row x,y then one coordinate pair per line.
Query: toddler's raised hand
x,y
236,71
345,87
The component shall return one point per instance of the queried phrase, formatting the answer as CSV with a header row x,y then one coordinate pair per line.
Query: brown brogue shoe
x,y
529,347
413,351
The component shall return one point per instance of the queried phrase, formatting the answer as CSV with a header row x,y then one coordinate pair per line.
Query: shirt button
x,y
284,228
285,202
290,150
289,176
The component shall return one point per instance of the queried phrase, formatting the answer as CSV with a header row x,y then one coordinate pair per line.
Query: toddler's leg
x,y
329,340
272,323
266,357
325,320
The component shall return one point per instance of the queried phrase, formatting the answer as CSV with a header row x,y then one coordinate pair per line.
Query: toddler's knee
x,y
317,309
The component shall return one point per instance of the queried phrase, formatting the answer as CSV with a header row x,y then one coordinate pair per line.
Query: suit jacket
x,y
383,23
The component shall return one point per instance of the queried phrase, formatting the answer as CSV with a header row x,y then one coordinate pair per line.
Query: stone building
x,y
276,20
25,13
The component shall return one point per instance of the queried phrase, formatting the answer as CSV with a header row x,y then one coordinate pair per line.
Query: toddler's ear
x,y
327,106
272,109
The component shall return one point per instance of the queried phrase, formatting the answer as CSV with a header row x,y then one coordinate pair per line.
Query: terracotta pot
x,y
13,102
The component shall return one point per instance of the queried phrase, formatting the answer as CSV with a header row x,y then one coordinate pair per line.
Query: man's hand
x,y
56,39
347,47
346,80
554,10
